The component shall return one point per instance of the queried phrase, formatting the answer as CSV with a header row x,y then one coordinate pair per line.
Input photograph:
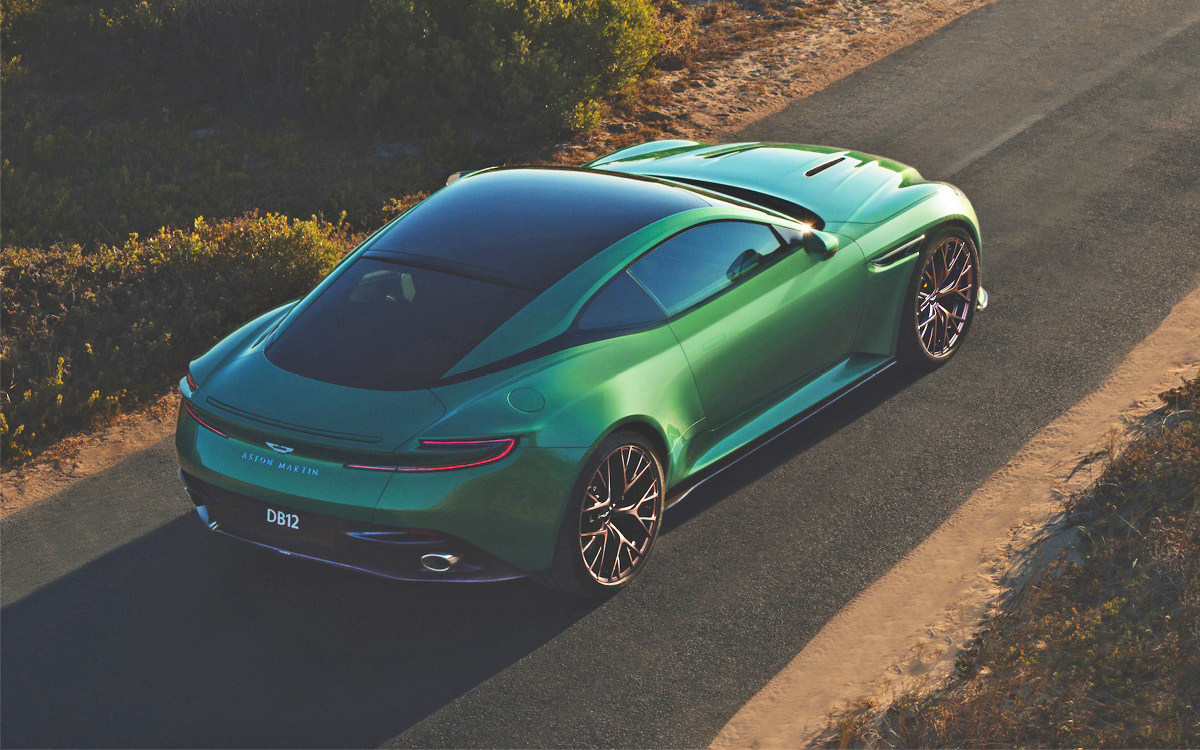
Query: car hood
x,y
838,185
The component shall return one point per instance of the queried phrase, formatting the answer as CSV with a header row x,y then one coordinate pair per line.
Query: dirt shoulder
x,y
85,454
1101,647
905,632
775,60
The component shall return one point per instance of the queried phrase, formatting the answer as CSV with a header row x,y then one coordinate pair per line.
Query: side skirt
x,y
684,488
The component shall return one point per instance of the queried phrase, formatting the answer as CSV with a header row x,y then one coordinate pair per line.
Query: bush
x,y
164,110
545,65
86,333
244,53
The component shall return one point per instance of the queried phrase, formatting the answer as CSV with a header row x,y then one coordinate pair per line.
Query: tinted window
x,y
388,326
533,224
694,265
621,303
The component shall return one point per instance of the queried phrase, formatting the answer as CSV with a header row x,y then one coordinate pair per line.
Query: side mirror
x,y
454,177
820,244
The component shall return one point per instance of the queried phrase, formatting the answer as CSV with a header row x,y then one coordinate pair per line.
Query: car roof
x,y
529,227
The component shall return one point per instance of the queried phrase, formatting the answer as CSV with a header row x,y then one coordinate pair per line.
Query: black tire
x,y
913,348
570,571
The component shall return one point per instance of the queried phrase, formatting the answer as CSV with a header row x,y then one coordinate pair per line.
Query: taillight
x,y
187,407
444,455
192,382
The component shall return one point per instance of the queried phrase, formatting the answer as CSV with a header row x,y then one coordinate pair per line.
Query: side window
x,y
621,303
694,265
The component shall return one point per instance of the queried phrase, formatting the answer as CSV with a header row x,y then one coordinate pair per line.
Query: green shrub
x,y
244,53
541,64
165,110
86,333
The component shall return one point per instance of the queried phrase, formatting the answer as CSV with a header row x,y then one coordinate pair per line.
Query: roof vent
x,y
822,167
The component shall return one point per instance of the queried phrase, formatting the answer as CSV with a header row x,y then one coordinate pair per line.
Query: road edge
x,y
935,598
86,454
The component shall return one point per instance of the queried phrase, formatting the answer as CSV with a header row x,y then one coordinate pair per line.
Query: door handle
x,y
713,342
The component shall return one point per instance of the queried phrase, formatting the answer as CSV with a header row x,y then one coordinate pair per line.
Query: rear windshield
x,y
390,326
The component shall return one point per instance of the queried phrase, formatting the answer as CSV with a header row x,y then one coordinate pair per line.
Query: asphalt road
x,y
1075,128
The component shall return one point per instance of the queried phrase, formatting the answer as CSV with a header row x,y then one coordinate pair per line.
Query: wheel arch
x,y
645,427
962,223
970,227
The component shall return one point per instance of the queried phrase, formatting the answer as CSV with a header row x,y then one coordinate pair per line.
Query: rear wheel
x,y
941,298
612,520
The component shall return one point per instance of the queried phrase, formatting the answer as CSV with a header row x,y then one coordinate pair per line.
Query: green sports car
x,y
518,376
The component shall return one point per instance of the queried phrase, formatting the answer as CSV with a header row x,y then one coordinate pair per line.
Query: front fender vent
x,y
899,252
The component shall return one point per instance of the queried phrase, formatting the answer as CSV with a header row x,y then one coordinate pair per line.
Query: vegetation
x,y
413,65
1103,648
124,116
86,332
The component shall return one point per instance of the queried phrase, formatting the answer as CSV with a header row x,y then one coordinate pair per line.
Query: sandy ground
x,y
848,35
906,629
81,456
707,100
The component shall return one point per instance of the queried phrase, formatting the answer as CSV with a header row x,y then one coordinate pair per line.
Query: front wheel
x,y
941,299
612,521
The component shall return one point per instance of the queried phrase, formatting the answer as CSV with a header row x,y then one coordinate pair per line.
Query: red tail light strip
x,y
192,382
505,446
204,424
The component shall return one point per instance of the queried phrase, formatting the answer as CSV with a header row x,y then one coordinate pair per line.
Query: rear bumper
x,y
370,548
509,510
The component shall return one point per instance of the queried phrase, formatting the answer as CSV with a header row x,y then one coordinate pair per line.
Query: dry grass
x,y
1102,648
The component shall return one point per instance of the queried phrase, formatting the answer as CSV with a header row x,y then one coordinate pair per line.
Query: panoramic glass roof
x,y
530,227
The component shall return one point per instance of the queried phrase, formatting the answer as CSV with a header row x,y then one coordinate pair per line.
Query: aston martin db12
x,y
518,376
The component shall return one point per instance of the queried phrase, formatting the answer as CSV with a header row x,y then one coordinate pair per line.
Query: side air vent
x,y
900,251
822,167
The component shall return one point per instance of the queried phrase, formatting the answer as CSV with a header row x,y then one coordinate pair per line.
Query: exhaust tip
x,y
438,562
205,516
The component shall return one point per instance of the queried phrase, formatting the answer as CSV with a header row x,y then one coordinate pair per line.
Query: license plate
x,y
283,519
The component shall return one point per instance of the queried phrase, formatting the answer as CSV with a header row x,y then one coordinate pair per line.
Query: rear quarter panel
x,y
588,390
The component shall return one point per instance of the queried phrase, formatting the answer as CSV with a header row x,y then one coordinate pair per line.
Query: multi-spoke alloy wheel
x,y
620,514
613,518
945,296
941,299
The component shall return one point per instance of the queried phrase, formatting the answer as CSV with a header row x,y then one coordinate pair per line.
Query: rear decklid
x,y
288,439
253,389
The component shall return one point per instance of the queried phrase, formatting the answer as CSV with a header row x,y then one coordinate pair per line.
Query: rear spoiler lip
x,y
315,431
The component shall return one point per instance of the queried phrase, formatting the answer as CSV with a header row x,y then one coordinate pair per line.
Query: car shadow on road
x,y
183,638
186,638
769,456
